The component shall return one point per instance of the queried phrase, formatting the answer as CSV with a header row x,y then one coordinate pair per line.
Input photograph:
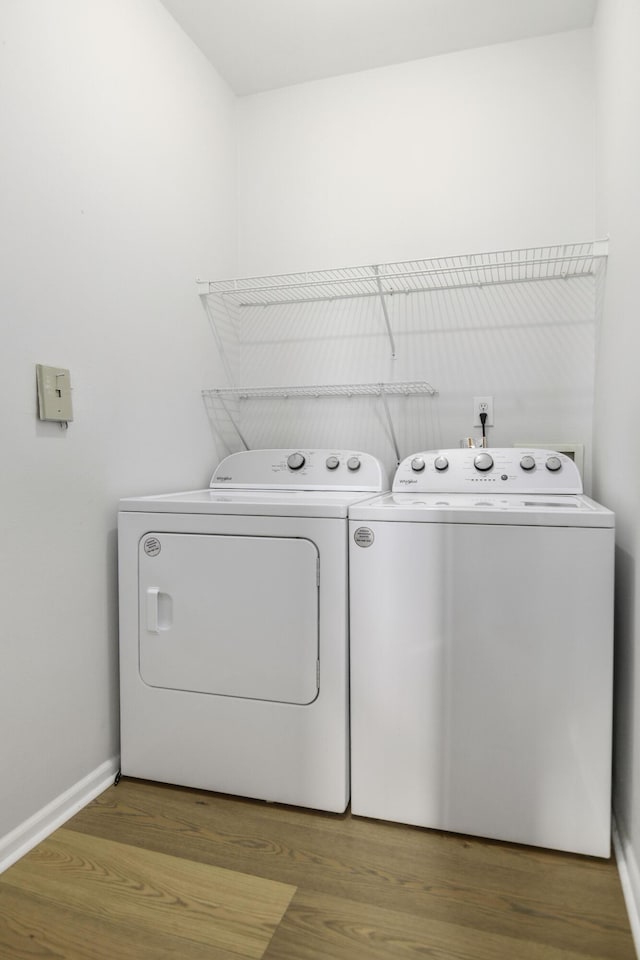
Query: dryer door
x,y
230,615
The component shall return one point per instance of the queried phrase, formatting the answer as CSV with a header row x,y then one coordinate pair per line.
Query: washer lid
x,y
483,507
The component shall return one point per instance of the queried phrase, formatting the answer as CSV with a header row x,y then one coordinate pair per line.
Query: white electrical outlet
x,y
482,405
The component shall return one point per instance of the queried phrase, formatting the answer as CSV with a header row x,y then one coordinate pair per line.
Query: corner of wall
x,y
30,833
629,871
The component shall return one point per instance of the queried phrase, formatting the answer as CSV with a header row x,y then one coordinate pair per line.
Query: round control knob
x,y
295,461
332,463
553,464
353,463
483,462
441,463
527,463
417,464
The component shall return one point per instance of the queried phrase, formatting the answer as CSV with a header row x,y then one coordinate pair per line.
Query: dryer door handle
x,y
159,610
152,610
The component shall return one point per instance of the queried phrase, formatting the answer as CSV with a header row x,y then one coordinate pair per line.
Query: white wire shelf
x,y
408,388
224,300
403,388
557,262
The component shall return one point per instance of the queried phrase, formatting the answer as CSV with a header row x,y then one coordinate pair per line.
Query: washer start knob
x,y
295,461
527,463
417,464
553,464
441,463
353,463
483,462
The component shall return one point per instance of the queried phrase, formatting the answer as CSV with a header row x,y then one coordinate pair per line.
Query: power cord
x,y
483,420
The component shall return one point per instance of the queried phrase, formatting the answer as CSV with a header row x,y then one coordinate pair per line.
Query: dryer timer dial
x,y
295,461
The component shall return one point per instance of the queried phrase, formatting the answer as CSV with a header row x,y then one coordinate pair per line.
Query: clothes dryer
x,y
481,650
234,627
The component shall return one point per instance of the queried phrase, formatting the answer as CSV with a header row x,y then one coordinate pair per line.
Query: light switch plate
x,y
54,393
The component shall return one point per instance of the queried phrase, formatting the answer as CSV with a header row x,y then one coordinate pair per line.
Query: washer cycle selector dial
x,y
527,462
483,462
417,464
441,463
353,463
553,464
332,463
295,461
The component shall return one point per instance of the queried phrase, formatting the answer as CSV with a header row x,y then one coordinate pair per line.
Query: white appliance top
x,y
533,510
508,486
276,483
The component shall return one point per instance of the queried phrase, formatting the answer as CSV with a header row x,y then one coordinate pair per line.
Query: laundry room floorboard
x,y
151,870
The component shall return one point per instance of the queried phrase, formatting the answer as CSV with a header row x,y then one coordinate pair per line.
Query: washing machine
x,y
234,627
481,650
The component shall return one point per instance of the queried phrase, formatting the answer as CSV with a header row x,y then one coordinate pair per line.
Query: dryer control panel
x,y
498,470
301,469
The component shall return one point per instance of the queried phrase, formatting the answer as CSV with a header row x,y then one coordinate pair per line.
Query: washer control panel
x,y
301,469
498,470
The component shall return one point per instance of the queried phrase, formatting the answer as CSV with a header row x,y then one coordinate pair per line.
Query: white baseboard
x,y
28,834
629,879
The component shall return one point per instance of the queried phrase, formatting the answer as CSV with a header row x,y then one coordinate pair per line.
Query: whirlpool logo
x,y
409,480
223,478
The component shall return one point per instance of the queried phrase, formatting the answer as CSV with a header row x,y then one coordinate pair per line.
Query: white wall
x,y
617,451
481,150
117,185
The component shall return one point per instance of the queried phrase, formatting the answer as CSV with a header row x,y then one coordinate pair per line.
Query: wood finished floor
x,y
153,872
